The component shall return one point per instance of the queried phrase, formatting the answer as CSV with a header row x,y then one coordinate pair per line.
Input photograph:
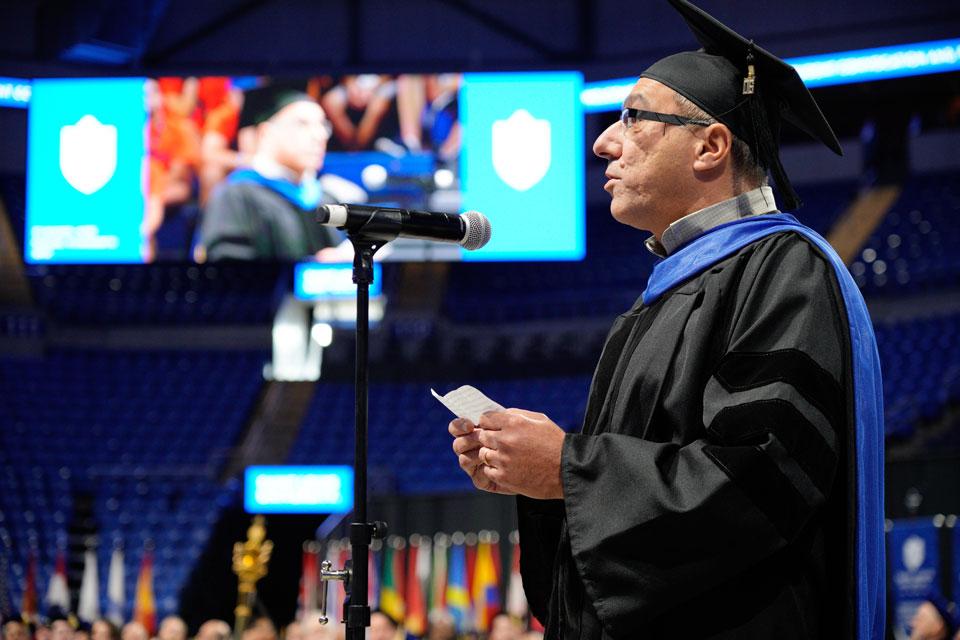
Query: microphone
x,y
471,230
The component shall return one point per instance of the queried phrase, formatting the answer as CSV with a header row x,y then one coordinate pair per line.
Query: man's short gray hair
x,y
747,172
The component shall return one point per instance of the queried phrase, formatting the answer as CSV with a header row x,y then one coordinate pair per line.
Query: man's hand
x,y
466,444
512,451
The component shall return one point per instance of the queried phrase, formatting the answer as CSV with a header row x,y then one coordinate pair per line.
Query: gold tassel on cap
x,y
750,81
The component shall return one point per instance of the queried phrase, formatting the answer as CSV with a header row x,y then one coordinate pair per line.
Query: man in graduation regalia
x,y
265,211
727,481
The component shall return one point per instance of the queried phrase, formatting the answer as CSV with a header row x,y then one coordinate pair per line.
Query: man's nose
x,y
607,144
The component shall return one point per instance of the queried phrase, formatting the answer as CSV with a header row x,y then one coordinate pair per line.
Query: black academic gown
x,y
707,493
250,221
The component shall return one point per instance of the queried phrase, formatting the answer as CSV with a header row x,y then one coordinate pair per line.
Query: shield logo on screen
x,y
521,149
914,550
88,154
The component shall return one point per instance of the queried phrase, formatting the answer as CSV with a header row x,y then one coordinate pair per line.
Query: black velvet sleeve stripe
x,y
757,475
739,371
750,423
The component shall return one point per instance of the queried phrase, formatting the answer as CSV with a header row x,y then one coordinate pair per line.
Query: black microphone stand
x,y
356,610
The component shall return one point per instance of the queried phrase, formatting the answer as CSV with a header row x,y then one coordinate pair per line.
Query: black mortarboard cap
x,y
745,87
262,103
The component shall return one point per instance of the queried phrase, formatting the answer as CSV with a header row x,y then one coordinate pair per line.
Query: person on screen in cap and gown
x,y
266,211
727,480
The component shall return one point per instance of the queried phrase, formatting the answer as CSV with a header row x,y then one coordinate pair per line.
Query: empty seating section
x,y
921,370
13,194
823,203
138,433
35,509
176,513
158,293
20,325
917,246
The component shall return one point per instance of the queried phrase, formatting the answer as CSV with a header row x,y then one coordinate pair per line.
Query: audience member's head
x,y
260,629
172,628
441,625
213,630
505,627
293,631
42,630
82,632
15,630
60,629
382,626
311,629
103,629
133,631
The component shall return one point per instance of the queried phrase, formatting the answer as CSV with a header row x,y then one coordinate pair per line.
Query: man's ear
x,y
716,144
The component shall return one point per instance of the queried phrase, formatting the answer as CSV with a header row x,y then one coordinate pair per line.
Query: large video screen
x,y
207,169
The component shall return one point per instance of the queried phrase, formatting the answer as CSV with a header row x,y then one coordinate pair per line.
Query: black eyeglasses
x,y
629,117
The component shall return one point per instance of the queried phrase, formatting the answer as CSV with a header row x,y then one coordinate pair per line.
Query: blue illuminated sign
x,y
881,63
85,171
862,65
15,92
606,95
315,281
298,489
522,163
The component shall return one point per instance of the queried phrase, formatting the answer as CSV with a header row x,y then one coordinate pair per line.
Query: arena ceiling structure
x,y
603,38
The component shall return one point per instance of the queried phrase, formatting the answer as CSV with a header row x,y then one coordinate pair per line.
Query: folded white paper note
x,y
467,402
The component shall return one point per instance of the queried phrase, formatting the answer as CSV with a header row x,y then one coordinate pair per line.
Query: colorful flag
x,y
145,605
438,576
458,597
516,599
88,609
373,578
497,558
423,567
418,572
309,581
485,590
536,625
391,590
58,595
116,595
28,607
471,541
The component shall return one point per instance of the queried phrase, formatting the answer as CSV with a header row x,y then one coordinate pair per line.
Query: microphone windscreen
x,y
478,230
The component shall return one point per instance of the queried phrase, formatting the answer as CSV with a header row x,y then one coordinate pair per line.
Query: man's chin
x,y
627,217
620,213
